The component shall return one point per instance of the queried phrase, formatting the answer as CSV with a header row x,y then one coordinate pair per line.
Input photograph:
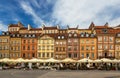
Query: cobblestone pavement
x,y
58,74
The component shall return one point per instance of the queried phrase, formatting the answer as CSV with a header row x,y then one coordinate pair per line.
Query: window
x,y
87,55
24,41
70,35
75,48
39,48
82,35
69,48
32,40
99,53
99,46
75,35
23,47
82,47
56,48
62,37
28,47
69,55
99,38
105,38
43,54
87,35
56,42
111,39
23,55
32,47
33,35
33,54
25,36
51,54
0,40
92,55
104,30
87,41
28,41
105,46
82,55
58,37
92,48
111,47
87,48
82,41
75,55
47,54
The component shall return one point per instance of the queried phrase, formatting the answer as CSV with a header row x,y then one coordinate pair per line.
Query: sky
x,y
59,12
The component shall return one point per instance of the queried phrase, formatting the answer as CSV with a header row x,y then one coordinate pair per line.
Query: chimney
x,y
29,27
58,27
43,25
106,24
67,26
20,24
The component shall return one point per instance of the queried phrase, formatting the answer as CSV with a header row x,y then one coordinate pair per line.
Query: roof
x,y
49,28
36,29
72,28
13,25
23,28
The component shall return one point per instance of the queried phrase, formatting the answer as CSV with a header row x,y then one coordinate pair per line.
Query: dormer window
x,y
92,35
118,35
70,35
33,35
25,35
58,37
3,33
104,30
29,35
18,35
75,35
13,35
7,33
87,35
62,37
82,35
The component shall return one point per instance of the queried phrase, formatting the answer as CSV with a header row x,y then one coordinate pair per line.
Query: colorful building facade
x,y
53,42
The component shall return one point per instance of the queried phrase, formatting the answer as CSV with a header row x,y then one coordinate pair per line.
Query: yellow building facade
x,y
4,45
45,47
15,46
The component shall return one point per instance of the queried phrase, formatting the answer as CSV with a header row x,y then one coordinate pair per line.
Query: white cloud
x,y
82,12
3,27
29,10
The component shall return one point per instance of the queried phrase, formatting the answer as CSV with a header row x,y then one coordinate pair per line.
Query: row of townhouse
x,y
52,42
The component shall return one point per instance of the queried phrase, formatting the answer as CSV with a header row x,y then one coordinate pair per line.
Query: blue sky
x,y
59,12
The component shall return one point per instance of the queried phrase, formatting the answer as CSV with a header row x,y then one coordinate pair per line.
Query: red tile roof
x,y
13,25
49,28
36,29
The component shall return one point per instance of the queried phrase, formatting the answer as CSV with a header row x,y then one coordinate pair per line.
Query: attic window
x,y
18,35
62,37
7,33
33,35
13,35
75,35
29,35
25,35
104,30
87,35
58,37
3,33
92,35
70,35
82,35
